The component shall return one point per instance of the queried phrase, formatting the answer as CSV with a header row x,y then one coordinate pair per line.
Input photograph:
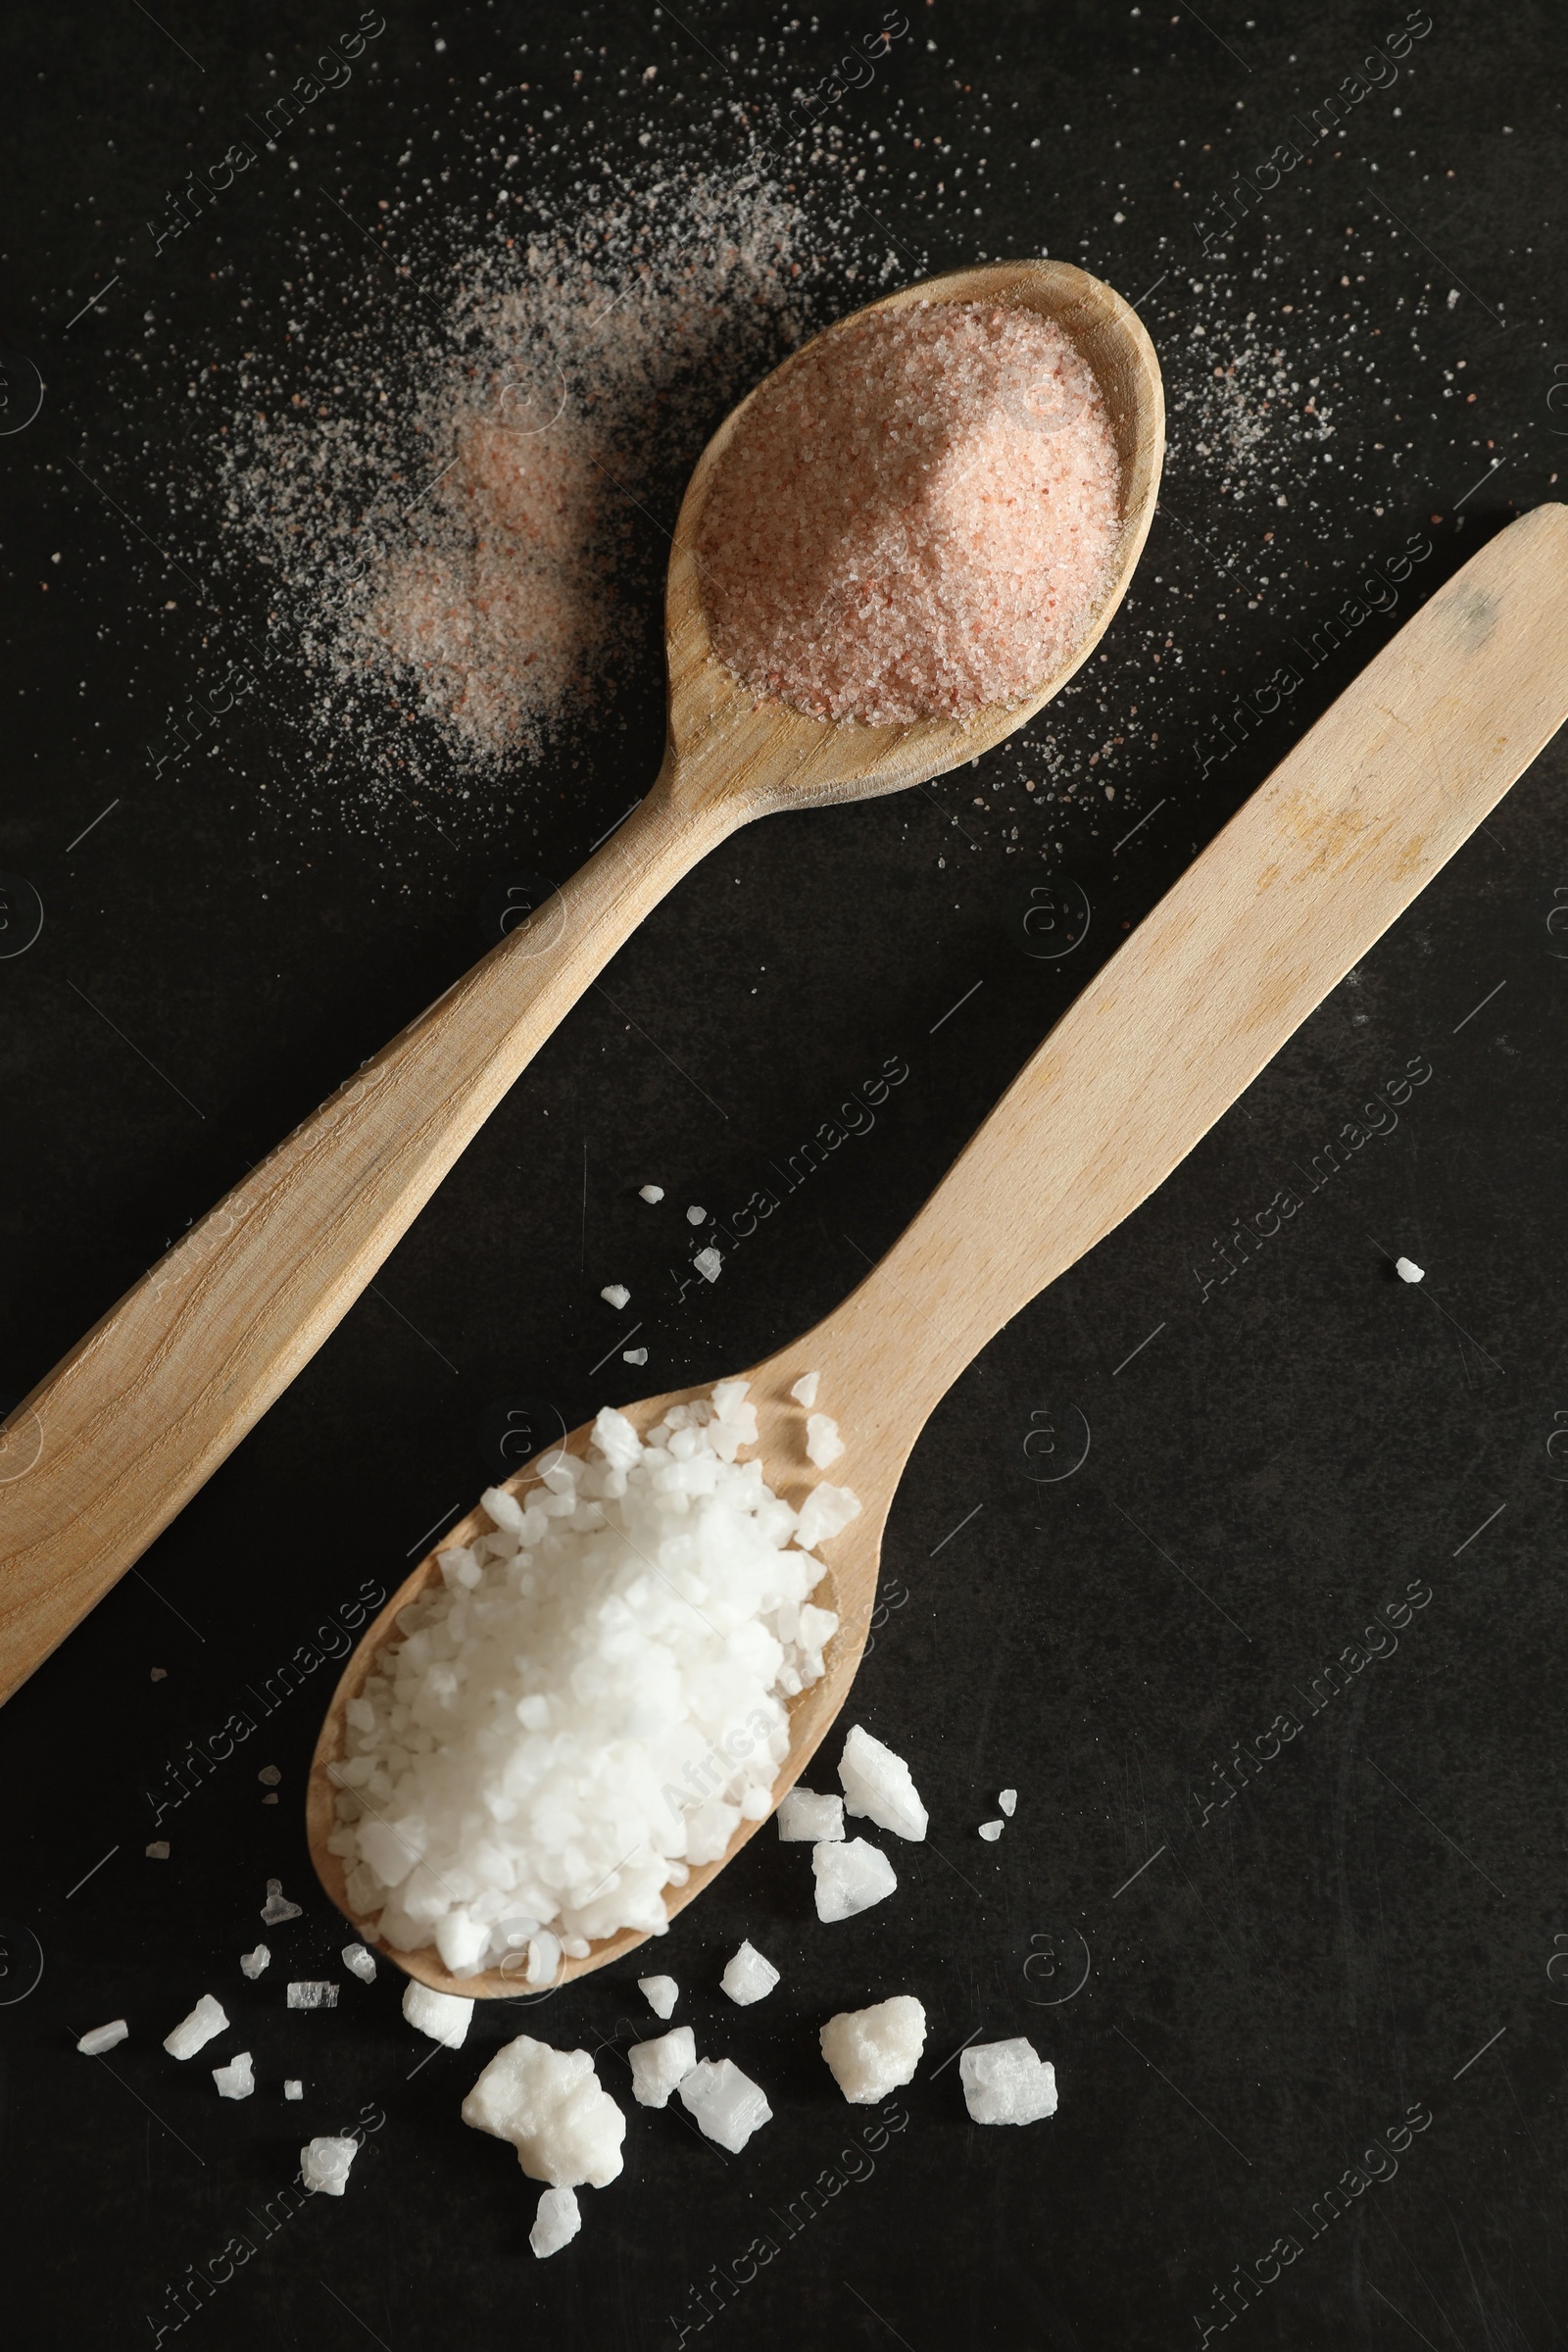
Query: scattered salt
x,y
727,2105
877,1784
324,2165
1409,1271
634,1355
312,1992
708,1263
293,2087
651,1193
695,1217
805,1389
823,1445
802,1814
235,2080
556,2222
850,1878
195,2031
1008,1800
269,1776
616,1293
360,1962
661,1993
991,1830
254,1962
277,1906
158,1852
1007,2082
661,2065
872,2051
104,2038
550,2105
444,2016
747,1977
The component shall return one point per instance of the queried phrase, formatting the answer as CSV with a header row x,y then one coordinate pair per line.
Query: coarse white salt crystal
x,y
194,2032
651,1192
269,1776
552,2107
1008,1800
324,2165
158,1852
708,1263
823,1445
825,1513
104,2038
991,1830
1409,1271
253,1963
360,1962
661,2065
660,1993
312,1992
444,2016
235,2080
293,2087
802,1814
850,1878
695,1215
747,1977
727,2105
616,1294
557,2222
1008,2082
872,2051
634,1355
277,1906
805,1389
878,1785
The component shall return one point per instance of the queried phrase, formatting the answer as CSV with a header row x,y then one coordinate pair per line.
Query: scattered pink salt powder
x,y
915,518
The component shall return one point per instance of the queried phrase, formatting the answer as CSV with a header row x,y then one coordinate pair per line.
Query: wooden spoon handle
x,y
1316,865
122,1432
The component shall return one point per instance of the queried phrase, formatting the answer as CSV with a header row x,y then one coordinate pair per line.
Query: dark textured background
x,y
1286,1455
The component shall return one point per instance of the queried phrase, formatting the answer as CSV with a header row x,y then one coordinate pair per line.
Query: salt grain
x,y
991,1830
556,2222
445,2016
651,1192
1007,2082
360,1962
727,2105
158,1852
104,2038
660,1993
324,2165
823,1445
850,1878
312,1992
194,2032
235,2080
661,2065
872,2051
1409,1271
1008,1800
695,1217
708,1263
293,2087
878,1785
802,1814
278,1907
616,1294
747,1977
550,2105
255,1961
805,1389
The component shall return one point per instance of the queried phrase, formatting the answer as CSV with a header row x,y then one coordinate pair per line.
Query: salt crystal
x,y
195,2031
651,1193
235,2080
278,1907
877,1784
254,1962
293,2087
551,2106
444,2016
158,1852
747,1977
616,1294
324,2165
661,2065
695,1217
805,1389
823,1445
160,1674
312,1992
360,1962
872,2051
991,1830
708,1263
104,2038
727,2105
634,1355
802,1814
1009,1801
556,2222
1007,2082
269,1776
661,1993
850,1878
825,1513
1409,1271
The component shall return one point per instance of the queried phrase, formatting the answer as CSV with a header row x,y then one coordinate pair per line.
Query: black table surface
x,y
1305,1981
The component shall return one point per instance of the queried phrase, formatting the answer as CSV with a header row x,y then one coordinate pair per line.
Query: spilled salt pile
x,y
915,518
591,1703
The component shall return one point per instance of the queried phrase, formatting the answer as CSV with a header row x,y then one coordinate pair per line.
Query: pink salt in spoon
x,y
116,1440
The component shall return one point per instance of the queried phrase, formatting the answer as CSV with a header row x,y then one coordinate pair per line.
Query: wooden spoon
x,y
1346,831
106,1450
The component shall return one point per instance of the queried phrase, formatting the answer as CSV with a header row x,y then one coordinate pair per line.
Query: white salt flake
x,y
850,1878
192,2033
651,1192
312,1992
253,1963
872,2051
991,1830
878,1785
708,1263
293,2087
278,1907
805,1389
104,2038
747,1977
558,2218
324,2165
1008,1800
616,1294
1409,1271
823,1445
825,1513
1008,2082
661,2065
802,1814
444,2016
360,1962
727,2105
235,2080
552,2107
660,1993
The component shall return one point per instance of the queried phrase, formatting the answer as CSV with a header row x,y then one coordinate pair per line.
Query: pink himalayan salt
x,y
915,518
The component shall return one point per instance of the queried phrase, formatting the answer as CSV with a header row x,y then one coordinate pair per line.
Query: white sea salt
x,y
1409,1271
872,2051
747,1977
634,1355
708,1263
805,1389
252,1963
104,2038
194,2032
556,2222
1008,2082
277,1906
878,1785
444,2016
360,1962
616,1294
695,1215
802,1814
552,2107
825,1513
661,2065
727,2105
158,1852
293,2087
312,1992
235,2080
325,2164
661,1993
991,1830
1008,1800
850,1878
823,1445
651,1193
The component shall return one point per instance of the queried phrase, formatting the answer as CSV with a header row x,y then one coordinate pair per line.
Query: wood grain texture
x,y
1366,808
113,1442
